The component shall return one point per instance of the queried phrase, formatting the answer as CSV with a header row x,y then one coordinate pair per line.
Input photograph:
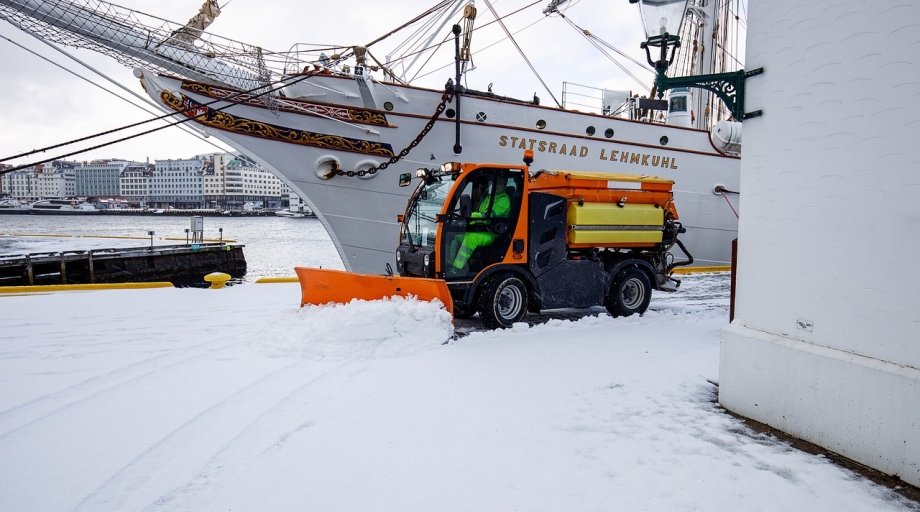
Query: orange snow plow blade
x,y
321,286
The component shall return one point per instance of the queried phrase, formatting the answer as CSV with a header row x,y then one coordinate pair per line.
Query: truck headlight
x,y
426,260
398,256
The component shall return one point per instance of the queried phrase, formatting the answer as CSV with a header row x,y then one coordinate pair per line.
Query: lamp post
x,y
663,21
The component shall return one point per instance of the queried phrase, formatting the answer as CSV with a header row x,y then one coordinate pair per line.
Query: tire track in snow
x,y
188,452
250,444
45,406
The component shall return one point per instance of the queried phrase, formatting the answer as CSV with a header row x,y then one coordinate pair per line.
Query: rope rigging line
x,y
594,40
508,33
414,41
176,123
151,112
446,38
436,47
437,6
486,47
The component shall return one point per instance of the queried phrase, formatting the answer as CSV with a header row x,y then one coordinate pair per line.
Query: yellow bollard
x,y
217,279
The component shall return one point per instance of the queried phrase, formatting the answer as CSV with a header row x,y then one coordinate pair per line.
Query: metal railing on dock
x,y
179,264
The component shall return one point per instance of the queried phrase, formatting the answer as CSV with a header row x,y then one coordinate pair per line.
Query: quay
x,y
182,265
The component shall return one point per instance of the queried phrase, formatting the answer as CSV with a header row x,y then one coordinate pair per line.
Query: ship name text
x,y
614,155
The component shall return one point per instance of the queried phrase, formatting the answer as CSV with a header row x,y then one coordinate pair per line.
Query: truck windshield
x,y
420,225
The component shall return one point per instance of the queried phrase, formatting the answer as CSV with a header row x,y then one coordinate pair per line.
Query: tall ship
x,y
339,128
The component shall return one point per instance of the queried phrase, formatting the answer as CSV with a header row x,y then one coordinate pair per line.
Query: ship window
x,y
481,117
678,104
450,113
387,105
541,124
608,133
663,140
590,130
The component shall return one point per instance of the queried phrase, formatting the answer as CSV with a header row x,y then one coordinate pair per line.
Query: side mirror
x,y
466,206
405,179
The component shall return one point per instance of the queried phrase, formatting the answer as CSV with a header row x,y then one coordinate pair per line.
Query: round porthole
x,y
608,133
663,140
387,105
450,113
541,124
590,131
481,117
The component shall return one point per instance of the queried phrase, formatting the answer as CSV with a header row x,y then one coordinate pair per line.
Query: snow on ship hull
x,y
359,124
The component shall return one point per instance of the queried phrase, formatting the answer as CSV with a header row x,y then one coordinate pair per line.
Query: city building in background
x,y
101,177
236,182
177,184
218,181
134,184
54,179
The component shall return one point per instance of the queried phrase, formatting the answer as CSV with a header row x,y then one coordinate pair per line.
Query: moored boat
x,y
62,207
13,206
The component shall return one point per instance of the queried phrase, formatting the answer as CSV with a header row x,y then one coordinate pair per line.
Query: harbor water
x,y
274,245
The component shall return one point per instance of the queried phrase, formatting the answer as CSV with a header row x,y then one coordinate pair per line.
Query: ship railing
x,y
596,100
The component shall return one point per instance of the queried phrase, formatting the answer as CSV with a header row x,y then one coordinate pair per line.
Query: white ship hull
x,y
359,124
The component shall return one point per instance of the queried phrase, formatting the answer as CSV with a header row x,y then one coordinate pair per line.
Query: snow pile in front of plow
x,y
359,330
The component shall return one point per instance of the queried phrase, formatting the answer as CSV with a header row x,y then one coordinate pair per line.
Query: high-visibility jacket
x,y
501,207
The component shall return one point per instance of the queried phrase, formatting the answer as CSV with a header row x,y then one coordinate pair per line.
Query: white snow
x,y
237,399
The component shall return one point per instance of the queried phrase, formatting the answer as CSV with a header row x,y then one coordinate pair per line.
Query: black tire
x,y
630,293
464,312
503,302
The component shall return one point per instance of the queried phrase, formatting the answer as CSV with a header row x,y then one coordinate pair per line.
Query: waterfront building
x,y
101,177
232,181
134,184
177,184
54,179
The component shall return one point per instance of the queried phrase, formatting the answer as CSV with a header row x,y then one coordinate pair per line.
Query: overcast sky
x,y
42,105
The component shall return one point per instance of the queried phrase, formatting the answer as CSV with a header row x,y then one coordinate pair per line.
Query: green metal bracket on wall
x,y
729,87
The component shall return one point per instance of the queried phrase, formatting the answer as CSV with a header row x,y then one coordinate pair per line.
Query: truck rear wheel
x,y
503,302
630,294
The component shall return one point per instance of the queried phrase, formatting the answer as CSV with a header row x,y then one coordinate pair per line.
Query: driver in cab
x,y
470,241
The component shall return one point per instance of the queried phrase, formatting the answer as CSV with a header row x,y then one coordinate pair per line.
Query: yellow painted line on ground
x,y
701,270
263,280
77,287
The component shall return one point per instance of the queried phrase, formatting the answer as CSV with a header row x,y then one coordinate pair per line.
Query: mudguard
x,y
322,286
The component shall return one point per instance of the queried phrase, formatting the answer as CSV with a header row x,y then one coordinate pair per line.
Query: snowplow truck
x,y
502,241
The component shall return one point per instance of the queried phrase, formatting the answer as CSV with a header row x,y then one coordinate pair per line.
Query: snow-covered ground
x,y
236,399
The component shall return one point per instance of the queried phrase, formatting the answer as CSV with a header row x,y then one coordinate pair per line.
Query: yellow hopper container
x,y
614,225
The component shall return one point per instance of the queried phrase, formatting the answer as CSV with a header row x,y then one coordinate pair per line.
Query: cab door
x,y
481,220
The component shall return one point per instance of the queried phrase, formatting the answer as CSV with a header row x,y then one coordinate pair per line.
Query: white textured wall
x,y
831,230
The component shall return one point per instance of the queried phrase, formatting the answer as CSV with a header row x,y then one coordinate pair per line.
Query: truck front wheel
x,y
503,302
631,293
